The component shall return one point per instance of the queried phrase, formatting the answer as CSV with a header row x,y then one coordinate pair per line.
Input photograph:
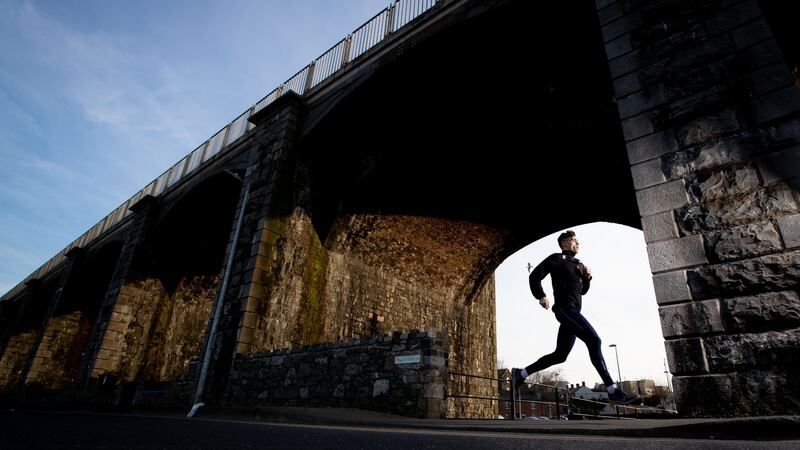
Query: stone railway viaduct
x,y
376,191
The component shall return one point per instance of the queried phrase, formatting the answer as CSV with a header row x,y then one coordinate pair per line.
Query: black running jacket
x,y
566,273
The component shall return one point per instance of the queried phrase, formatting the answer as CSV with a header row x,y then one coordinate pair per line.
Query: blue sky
x,y
99,97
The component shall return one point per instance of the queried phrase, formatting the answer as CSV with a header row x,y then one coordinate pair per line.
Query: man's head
x,y
568,241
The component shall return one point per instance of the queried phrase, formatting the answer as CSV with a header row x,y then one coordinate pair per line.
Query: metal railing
x,y
592,408
559,398
516,404
563,404
479,377
326,67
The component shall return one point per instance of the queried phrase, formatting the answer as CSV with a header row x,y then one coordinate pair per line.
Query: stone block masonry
x,y
12,364
709,115
61,344
405,373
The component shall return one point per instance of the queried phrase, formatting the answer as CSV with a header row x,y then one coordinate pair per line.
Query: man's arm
x,y
536,277
586,278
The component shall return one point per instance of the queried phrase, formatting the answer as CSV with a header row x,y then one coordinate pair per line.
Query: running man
x,y
571,280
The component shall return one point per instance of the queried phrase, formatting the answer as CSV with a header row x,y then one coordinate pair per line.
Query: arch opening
x,y
166,305
67,333
25,332
620,305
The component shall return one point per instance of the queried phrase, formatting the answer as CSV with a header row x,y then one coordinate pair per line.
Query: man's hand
x,y
587,272
544,302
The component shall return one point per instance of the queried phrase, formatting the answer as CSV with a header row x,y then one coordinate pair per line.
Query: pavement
x,y
744,428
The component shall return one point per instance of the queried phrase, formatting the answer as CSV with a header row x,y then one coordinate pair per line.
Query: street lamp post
x,y
666,374
619,373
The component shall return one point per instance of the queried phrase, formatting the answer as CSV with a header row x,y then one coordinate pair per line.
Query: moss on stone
x,y
310,322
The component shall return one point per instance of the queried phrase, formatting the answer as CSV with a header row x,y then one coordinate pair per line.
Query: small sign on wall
x,y
407,359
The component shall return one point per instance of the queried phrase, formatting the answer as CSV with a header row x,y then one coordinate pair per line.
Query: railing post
x,y
513,397
310,76
558,405
346,50
390,20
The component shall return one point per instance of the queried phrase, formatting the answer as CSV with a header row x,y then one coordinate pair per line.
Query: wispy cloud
x,y
96,99
110,81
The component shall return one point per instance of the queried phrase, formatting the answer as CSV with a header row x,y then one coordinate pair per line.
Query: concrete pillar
x,y
708,110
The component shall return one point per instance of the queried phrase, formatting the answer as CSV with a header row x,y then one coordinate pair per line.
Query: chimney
x,y
583,383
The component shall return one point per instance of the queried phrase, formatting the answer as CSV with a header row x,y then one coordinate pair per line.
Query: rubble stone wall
x,y
402,373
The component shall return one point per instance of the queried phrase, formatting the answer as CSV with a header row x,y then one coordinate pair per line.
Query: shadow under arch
x,y
67,333
480,144
31,311
176,279
190,233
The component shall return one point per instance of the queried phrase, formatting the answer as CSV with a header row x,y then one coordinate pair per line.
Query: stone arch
x,y
174,281
409,227
620,305
668,115
32,311
67,333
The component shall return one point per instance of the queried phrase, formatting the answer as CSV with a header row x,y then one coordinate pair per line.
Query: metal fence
x,y
479,377
556,408
328,66
562,406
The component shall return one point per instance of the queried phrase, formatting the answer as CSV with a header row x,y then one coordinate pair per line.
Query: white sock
x,y
524,373
612,388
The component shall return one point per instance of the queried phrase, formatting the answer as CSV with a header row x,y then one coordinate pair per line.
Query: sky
x,y
99,97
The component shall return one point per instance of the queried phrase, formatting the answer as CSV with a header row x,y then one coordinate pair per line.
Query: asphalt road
x,y
49,430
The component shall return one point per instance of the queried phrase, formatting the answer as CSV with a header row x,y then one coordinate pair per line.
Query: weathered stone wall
x,y
371,274
359,373
180,328
476,332
378,274
286,307
313,296
15,358
405,272
365,301
710,116
58,356
124,347
153,335
107,340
